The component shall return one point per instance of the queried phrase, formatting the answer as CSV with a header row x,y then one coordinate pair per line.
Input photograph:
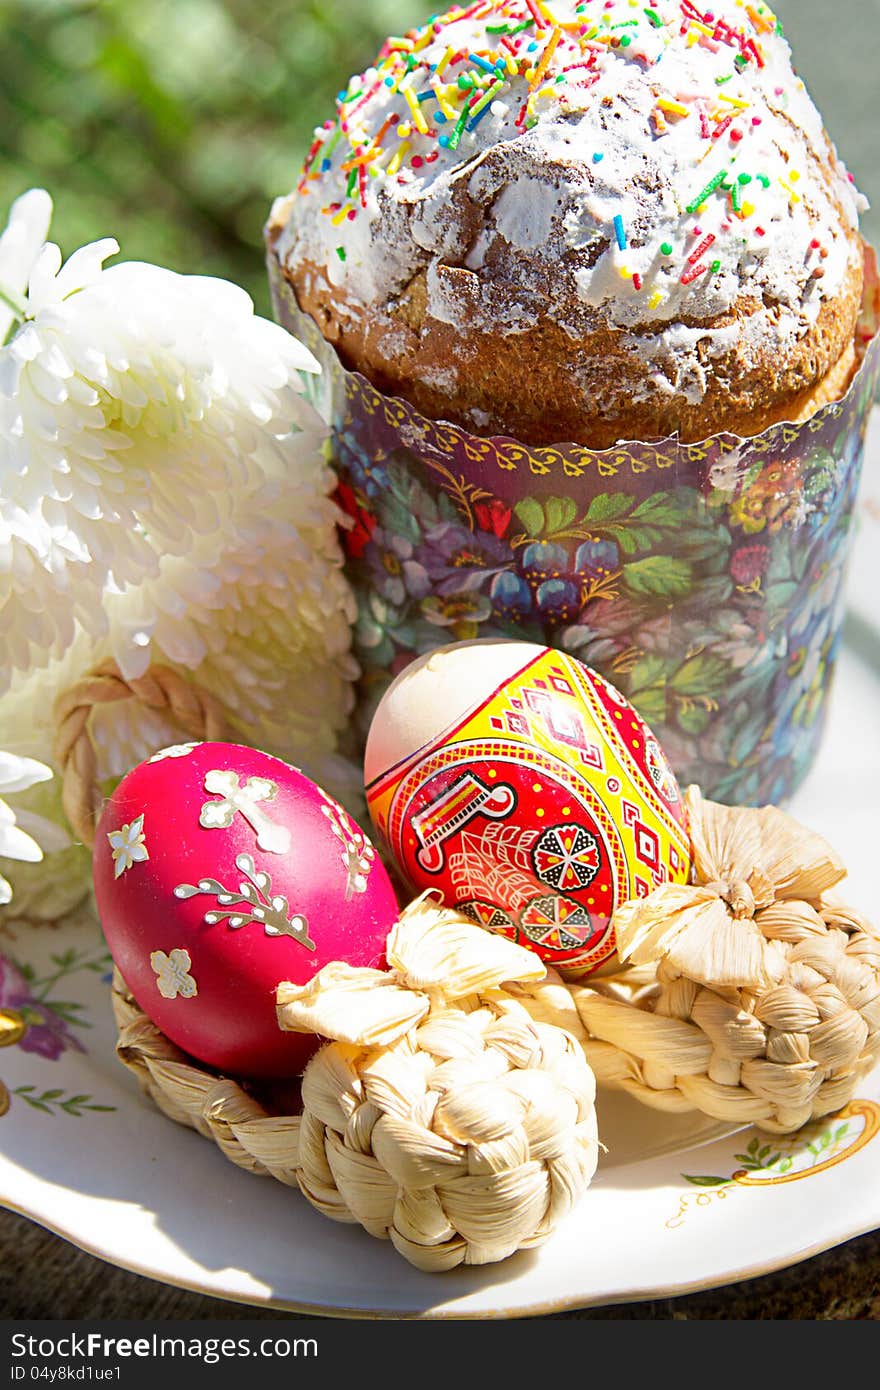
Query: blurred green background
x,y
172,124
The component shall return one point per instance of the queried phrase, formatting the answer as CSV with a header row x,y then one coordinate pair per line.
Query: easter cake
x,y
582,221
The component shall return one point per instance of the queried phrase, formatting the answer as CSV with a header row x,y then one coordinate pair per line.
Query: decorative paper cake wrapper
x,y
706,581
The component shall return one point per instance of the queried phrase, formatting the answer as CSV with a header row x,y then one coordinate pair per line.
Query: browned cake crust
x,y
539,386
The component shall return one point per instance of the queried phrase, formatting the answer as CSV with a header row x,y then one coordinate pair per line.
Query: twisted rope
x,y
191,708
459,1128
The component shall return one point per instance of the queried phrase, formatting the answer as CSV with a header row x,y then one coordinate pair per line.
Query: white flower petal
x,y
42,281
17,774
84,267
164,498
15,844
20,245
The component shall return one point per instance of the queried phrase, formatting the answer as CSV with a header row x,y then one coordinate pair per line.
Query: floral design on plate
x,y
42,1026
244,798
129,845
254,902
766,1163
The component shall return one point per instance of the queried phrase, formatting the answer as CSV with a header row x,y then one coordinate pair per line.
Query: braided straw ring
x,y
765,1006
196,712
442,1117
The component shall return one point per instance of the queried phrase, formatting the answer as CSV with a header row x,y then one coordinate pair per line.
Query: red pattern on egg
x,y
542,809
641,743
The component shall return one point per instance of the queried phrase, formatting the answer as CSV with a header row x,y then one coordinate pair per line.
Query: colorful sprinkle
x,y
547,55
673,108
455,137
714,183
517,43
399,155
692,274
485,99
481,63
701,249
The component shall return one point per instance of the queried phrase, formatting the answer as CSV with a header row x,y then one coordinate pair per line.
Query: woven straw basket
x,y
754,995
453,1109
442,1116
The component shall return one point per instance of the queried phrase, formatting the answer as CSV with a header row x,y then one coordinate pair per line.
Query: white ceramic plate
x,y
129,1185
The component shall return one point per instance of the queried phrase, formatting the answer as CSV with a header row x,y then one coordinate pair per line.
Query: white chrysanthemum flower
x,y
16,775
260,614
20,245
164,498
136,406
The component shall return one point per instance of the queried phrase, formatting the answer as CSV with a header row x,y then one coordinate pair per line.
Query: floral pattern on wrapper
x,y
706,581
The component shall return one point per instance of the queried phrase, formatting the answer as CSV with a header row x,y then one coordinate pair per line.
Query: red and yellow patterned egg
x,y
525,788
219,872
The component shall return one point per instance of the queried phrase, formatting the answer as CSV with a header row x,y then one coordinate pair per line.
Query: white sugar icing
x,y
531,205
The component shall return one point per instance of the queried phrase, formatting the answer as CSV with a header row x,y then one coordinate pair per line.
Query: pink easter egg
x,y
219,872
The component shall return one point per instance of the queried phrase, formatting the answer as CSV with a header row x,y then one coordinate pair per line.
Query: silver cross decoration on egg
x,y
244,799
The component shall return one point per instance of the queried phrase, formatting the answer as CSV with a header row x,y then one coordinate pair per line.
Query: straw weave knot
x,y
752,994
188,707
441,1116
737,894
